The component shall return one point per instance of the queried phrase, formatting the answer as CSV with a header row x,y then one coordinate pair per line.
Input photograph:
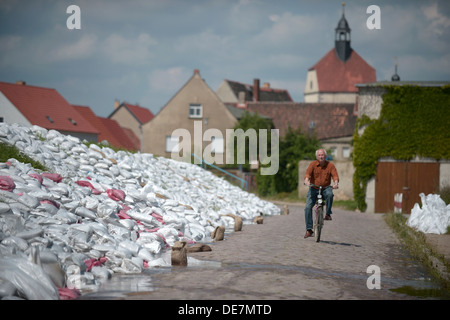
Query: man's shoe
x,y
328,217
308,234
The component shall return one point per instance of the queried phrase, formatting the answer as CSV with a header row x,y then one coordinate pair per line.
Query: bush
x,y
413,121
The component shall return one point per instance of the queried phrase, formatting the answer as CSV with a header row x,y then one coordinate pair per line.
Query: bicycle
x,y
318,211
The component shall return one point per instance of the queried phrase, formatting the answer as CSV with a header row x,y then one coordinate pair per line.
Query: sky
x,y
144,51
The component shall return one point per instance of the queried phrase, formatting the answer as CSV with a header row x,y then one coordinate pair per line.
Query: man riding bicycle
x,y
319,173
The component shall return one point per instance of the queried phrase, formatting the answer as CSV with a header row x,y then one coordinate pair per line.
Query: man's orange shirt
x,y
321,176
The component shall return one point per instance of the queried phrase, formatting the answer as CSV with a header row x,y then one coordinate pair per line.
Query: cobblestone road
x,y
273,261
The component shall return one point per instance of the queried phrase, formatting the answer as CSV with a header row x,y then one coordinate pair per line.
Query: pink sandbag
x,y
54,203
36,176
56,177
158,217
6,183
68,294
83,183
94,262
122,215
116,194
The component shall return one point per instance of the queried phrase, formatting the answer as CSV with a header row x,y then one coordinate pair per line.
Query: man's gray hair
x,y
325,151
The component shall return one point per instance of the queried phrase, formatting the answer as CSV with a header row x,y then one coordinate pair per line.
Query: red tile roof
x,y
335,75
46,108
330,120
117,132
265,93
142,115
134,139
109,129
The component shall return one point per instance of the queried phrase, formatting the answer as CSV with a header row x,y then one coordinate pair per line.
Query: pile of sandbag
x,y
98,212
432,217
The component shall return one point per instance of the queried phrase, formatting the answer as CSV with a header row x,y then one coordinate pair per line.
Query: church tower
x,y
342,38
333,78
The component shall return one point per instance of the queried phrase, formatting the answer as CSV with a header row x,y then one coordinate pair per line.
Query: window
x,y
172,144
346,152
333,152
49,119
195,110
216,144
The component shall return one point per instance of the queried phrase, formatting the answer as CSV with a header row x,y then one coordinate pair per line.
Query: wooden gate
x,y
407,178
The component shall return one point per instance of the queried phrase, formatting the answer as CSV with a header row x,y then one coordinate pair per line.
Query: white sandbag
x,y
7,288
65,216
133,247
153,247
103,247
30,234
29,279
145,254
146,218
90,203
4,207
16,242
432,217
47,207
101,273
85,213
106,209
128,223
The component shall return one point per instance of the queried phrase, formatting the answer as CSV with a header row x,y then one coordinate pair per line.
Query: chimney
x,y
196,71
116,104
267,85
21,82
256,89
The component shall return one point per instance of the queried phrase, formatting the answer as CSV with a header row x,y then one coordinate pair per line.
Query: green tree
x,y
295,146
256,122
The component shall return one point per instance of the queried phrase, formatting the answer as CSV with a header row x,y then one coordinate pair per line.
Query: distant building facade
x,y
333,78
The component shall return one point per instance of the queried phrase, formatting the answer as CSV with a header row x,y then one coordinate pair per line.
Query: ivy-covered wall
x,y
414,120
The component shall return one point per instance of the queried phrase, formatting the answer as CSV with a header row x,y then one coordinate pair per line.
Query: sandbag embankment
x,y
97,212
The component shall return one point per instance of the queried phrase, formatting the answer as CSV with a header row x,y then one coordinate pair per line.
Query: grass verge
x,y
8,152
415,242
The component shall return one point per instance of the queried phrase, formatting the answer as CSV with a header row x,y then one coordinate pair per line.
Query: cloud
x,y
168,80
128,50
438,21
83,48
289,30
206,43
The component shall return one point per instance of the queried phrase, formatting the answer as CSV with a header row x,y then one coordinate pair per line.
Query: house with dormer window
x,y
193,110
44,107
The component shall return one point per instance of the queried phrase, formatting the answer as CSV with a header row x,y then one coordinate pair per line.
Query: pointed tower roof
x,y
342,37
395,76
343,24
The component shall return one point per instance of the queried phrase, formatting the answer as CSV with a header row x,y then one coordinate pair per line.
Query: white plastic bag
x,y
432,217
29,279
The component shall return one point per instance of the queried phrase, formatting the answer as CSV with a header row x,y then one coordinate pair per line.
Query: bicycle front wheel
x,y
318,223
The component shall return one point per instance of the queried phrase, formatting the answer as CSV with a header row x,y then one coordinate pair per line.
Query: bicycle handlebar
x,y
313,185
